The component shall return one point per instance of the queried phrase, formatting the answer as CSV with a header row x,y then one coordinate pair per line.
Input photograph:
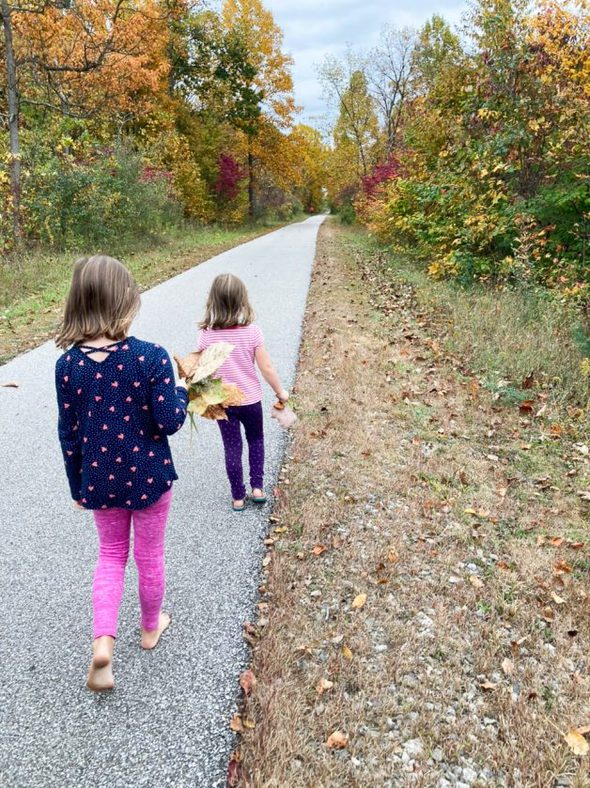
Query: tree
x,y
262,40
389,77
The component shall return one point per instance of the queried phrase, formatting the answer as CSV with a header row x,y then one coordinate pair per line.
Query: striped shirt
x,y
239,367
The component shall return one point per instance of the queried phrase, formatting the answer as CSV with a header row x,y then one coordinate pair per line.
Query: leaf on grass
x,y
547,613
337,741
267,559
346,652
234,769
10,384
556,541
583,729
476,581
488,686
359,601
529,381
559,600
319,549
236,724
526,406
392,555
323,685
247,681
281,530
508,666
576,742
576,545
561,568
249,724
584,495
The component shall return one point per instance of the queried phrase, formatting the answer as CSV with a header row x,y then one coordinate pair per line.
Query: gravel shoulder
x,y
167,721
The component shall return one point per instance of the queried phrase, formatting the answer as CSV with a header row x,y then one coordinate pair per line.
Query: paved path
x,y
167,721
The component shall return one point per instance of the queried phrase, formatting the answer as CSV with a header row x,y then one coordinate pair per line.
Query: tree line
x,y
470,149
121,116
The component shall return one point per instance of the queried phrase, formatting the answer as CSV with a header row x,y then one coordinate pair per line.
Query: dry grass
x,y
407,483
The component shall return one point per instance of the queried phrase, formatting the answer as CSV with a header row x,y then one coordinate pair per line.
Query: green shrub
x,y
109,201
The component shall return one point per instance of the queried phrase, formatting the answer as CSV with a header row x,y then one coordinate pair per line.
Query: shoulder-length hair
x,y
228,304
103,300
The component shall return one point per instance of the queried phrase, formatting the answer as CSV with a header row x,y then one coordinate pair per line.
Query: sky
x,y
314,28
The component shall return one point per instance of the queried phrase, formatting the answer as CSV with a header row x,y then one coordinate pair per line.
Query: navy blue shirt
x,y
114,416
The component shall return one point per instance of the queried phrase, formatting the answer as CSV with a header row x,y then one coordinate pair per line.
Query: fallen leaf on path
x,y
247,681
323,685
359,601
281,530
319,549
9,385
267,559
249,724
337,741
576,742
346,652
476,581
236,724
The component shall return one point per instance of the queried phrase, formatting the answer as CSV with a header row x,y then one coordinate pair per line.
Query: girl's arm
x,y
168,401
269,373
67,430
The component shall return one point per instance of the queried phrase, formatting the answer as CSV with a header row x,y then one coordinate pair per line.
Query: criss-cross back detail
x,y
104,351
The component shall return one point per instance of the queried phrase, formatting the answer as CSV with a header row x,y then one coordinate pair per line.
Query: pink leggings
x,y
114,529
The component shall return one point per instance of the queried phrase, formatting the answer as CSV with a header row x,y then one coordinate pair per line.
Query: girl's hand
x,y
78,505
283,396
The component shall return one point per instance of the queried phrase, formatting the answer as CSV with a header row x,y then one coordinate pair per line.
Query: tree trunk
x,y
13,120
251,198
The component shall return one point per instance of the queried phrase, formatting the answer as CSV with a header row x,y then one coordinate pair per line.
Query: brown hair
x,y
228,304
103,300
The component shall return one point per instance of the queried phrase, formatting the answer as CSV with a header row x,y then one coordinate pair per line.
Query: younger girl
x,y
228,318
117,402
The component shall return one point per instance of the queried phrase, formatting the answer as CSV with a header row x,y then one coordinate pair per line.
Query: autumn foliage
x,y
191,109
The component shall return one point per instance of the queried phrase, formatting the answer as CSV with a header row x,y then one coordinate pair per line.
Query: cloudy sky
x,y
314,28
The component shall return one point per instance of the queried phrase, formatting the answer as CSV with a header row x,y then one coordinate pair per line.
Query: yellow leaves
x,y
359,601
238,724
337,741
576,742
346,652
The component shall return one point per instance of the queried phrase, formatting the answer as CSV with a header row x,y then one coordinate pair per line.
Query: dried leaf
x,y
392,555
529,381
557,599
234,769
476,581
337,741
508,666
547,613
236,724
323,685
215,413
576,742
346,652
233,395
319,549
187,365
247,681
359,601
267,559
561,568
576,545
583,729
556,541
249,724
526,406
209,360
10,384
488,686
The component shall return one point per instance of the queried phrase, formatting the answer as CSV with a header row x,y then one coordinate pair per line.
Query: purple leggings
x,y
114,528
251,417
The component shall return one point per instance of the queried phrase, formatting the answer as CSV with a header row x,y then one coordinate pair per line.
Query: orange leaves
x,y
323,685
337,741
247,681
359,601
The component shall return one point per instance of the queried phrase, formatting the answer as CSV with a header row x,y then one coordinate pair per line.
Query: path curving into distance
x,y
167,721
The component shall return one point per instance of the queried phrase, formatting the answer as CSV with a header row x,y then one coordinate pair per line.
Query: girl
x,y
228,318
117,403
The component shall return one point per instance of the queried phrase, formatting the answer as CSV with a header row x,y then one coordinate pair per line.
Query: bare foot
x,y
151,637
100,673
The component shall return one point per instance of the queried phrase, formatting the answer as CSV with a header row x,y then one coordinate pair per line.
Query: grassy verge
x,y
32,290
424,618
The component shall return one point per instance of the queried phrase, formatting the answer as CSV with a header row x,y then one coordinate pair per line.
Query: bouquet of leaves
x,y
208,395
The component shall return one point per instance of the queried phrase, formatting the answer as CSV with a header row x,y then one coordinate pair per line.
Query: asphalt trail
x,y
167,721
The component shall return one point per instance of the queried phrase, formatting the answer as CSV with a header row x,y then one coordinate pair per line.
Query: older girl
x,y
229,318
117,403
